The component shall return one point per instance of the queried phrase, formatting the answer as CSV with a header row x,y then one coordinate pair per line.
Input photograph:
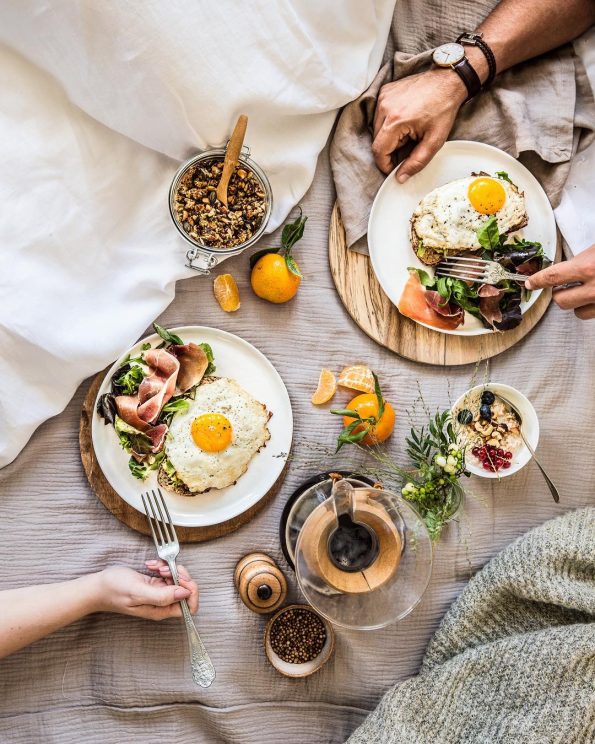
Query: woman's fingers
x,y
186,582
587,312
554,275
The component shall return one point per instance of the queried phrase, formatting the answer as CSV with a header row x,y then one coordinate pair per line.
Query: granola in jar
x,y
209,222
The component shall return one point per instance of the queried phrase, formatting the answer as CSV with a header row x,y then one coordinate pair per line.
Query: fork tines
x,y
466,268
162,525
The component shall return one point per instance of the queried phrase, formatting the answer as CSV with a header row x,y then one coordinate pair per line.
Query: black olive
x,y
106,408
485,412
488,397
465,416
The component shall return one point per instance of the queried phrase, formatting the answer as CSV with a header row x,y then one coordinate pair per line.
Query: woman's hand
x,y
421,107
581,268
122,590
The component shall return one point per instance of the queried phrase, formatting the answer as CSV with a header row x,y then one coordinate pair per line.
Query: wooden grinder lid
x,y
260,583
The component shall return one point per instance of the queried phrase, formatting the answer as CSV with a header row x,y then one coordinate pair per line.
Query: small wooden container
x,y
260,583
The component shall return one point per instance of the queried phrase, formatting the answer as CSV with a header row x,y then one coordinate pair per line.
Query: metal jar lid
x,y
202,258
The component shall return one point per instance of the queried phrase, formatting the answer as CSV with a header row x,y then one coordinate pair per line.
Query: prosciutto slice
x,y
127,406
413,304
158,387
193,364
448,310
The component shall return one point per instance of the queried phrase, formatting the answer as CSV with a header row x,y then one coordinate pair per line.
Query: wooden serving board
x,y
126,513
375,314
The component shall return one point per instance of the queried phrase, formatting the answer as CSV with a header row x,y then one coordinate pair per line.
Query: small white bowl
x,y
530,428
309,667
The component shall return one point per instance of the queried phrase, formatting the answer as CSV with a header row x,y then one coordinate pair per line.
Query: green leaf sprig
x,y
349,435
291,233
167,336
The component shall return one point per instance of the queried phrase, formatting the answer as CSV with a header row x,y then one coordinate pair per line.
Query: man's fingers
x,y
587,312
389,138
560,273
419,157
575,297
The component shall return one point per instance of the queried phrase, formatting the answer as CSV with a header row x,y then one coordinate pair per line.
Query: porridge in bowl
x,y
489,430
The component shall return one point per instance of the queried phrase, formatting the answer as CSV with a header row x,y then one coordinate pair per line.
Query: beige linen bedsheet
x,y
111,679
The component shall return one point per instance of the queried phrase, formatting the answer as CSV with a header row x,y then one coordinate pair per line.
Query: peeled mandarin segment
x,y
327,387
226,293
357,377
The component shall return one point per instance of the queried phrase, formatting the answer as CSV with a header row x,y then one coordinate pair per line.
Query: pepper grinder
x,y
260,583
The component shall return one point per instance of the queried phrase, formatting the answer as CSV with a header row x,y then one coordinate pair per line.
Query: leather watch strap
x,y
477,40
469,77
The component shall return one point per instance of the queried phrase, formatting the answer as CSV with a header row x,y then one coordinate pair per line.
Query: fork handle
x,y
203,671
553,489
514,277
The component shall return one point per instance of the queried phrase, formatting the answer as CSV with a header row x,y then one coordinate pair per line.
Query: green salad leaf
x,y
167,336
488,235
425,279
209,352
129,378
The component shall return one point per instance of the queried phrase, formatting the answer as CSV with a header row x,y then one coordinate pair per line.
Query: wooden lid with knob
x,y
260,583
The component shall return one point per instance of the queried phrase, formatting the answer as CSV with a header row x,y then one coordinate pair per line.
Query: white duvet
x,y
99,101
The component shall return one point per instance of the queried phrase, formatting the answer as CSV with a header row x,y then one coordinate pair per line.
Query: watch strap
x,y
477,40
469,77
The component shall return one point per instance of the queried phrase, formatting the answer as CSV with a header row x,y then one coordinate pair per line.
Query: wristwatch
x,y
476,40
453,55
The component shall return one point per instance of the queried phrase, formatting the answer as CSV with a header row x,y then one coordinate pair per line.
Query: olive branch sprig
x,y
360,427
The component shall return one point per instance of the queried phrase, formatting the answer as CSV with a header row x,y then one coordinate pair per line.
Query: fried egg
x,y
448,218
212,443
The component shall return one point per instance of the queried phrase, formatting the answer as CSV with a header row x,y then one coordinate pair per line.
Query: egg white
x,y
200,470
445,219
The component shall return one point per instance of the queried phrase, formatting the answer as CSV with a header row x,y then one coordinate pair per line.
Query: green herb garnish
x,y
209,352
503,175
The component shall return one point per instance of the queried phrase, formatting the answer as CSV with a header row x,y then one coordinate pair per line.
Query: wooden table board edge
x,y
130,516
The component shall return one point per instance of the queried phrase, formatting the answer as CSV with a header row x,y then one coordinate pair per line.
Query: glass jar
x,y
200,257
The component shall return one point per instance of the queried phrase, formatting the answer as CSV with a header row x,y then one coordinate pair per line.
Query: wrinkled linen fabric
x,y
99,102
514,658
539,112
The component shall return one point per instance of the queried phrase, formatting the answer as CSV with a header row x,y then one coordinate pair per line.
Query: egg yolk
x,y
211,432
487,196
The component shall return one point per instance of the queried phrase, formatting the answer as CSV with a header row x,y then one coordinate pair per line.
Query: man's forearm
x,y
33,612
518,30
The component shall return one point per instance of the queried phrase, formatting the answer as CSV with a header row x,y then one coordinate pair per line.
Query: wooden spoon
x,y
232,154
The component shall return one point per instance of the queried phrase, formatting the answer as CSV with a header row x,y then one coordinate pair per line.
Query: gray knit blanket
x,y
514,658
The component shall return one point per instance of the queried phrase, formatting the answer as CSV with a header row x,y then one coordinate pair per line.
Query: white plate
x,y
389,226
235,358
530,427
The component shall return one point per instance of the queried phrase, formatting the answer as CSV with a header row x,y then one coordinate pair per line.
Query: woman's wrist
x,y
90,593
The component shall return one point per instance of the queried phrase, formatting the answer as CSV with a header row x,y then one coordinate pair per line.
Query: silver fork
x,y
168,548
471,269
517,413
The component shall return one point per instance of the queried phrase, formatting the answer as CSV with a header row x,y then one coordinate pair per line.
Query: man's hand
x,y
581,268
423,108
122,590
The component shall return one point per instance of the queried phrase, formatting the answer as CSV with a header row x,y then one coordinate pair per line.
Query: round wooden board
x,y
126,513
375,314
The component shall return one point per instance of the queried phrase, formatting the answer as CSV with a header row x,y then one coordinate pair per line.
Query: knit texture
x,y
514,658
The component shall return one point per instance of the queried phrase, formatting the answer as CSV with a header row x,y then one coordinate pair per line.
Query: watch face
x,y
448,54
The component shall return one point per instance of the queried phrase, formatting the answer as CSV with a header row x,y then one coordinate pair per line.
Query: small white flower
x,y
440,461
452,447
450,469
409,487
451,460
